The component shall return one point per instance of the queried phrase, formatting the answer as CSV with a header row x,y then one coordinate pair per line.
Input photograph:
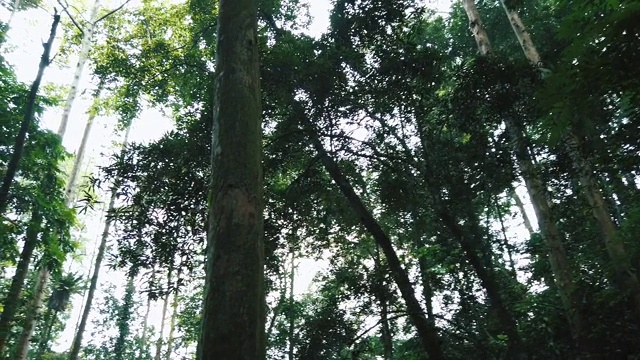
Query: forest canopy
x,y
460,178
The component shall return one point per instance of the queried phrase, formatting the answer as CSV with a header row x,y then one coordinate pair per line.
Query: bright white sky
x,y
28,30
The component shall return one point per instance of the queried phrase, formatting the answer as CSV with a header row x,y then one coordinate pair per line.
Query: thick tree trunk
x,y
165,305
83,56
426,331
14,162
234,305
22,347
478,30
12,301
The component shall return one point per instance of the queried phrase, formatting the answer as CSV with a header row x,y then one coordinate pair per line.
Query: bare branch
x,y
111,12
73,20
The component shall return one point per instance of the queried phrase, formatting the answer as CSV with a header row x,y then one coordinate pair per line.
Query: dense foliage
x,y
461,203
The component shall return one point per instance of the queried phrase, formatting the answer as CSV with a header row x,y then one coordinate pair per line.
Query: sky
x,y
29,30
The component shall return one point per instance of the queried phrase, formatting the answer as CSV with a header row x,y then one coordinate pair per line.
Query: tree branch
x,y
66,10
111,12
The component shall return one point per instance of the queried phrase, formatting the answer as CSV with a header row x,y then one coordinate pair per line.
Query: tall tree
x,y
29,110
233,314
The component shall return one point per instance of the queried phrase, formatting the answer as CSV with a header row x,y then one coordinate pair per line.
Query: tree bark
x,y
77,340
234,306
172,322
165,305
12,301
83,56
14,162
620,260
427,333
143,338
475,24
22,347
70,190
523,35
124,316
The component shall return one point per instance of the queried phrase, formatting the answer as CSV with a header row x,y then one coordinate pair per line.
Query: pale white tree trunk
x,y
16,4
165,305
30,319
478,30
522,34
83,56
70,190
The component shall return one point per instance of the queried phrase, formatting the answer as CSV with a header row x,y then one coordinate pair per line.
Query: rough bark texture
x,y
83,56
523,35
426,331
14,162
22,347
234,304
12,301
475,24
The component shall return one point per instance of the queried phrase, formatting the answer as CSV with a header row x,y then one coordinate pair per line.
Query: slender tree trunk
x,y
49,320
386,337
172,322
18,148
77,340
165,305
83,56
143,339
385,330
12,301
625,274
124,316
70,190
505,240
520,205
16,6
426,331
22,347
478,30
557,254
234,305
620,260
523,35
292,277
277,309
